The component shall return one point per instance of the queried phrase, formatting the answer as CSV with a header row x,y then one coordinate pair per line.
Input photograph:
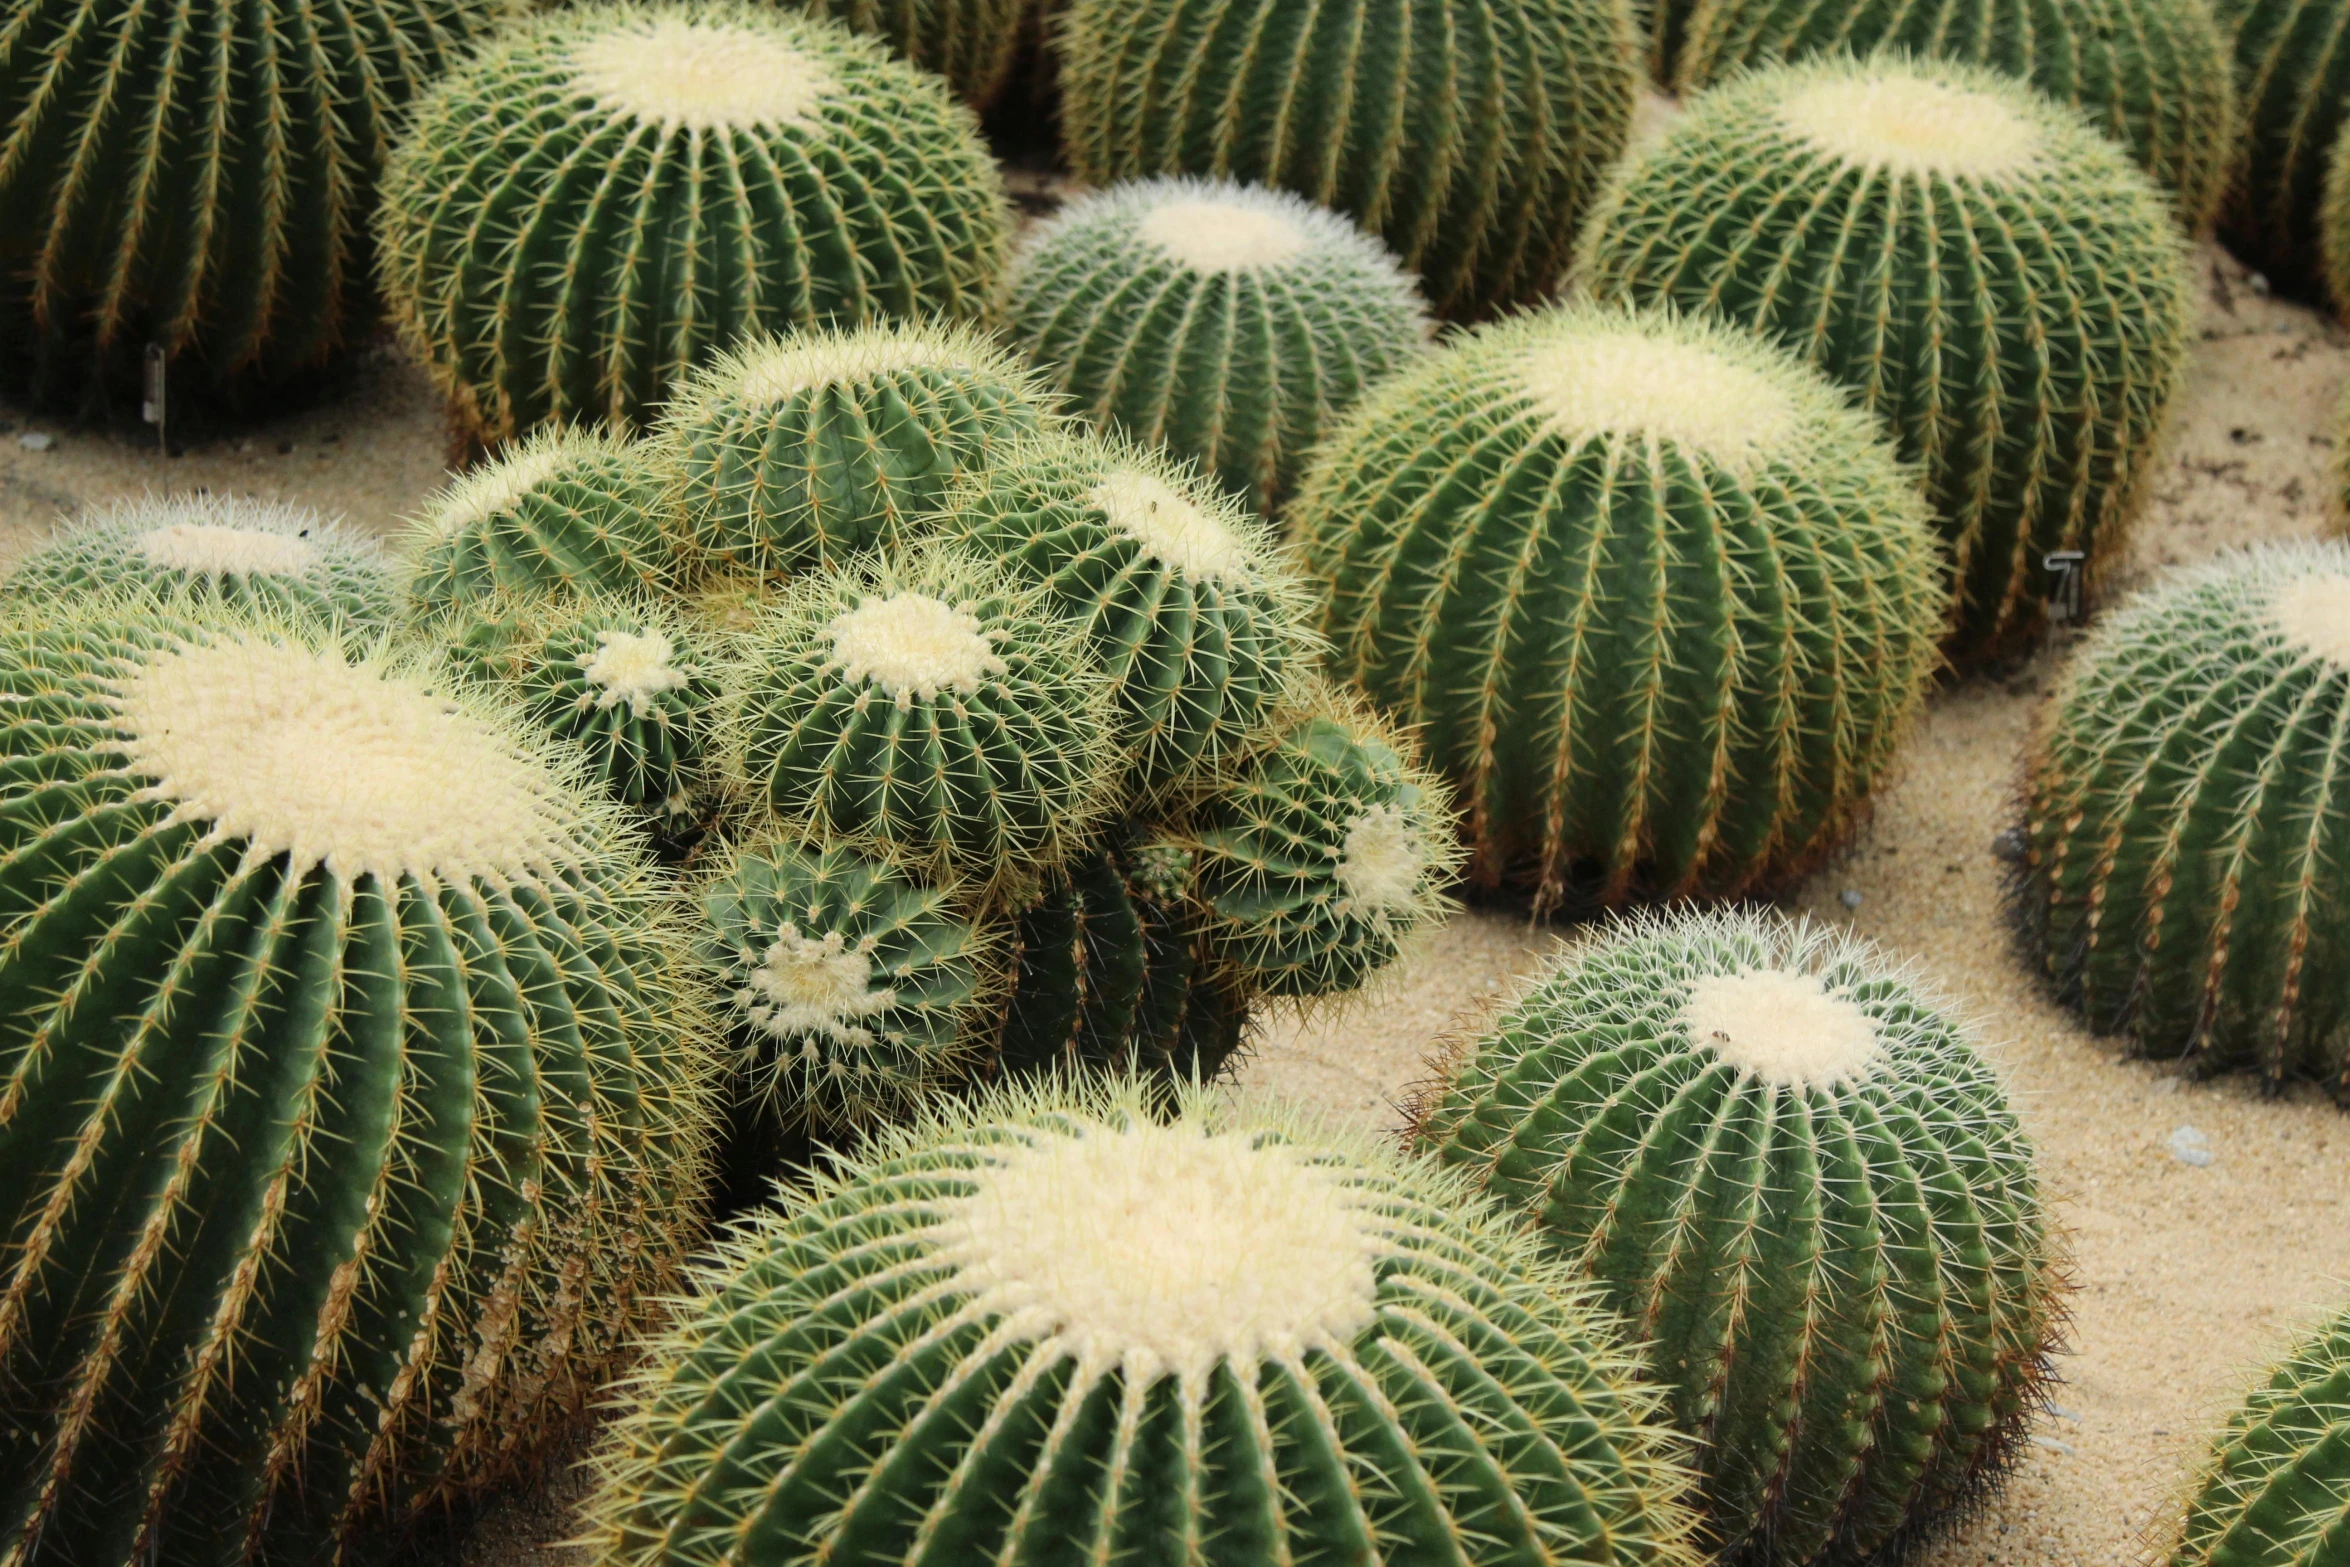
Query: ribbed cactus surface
x,y
201,178
350,1127
2189,817
2333,225
971,43
1228,323
1657,600
2271,1493
804,450
216,548
2293,89
2155,75
1468,134
1997,282
1788,1167
612,194
1051,1326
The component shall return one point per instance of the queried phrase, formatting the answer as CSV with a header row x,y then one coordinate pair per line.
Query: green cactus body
x,y
1467,134
2293,89
1053,1327
567,511
614,193
1655,598
2271,1494
805,450
1322,850
625,683
969,42
2189,816
1180,590
1663,26
934,708
2333,223
1231,324
1807,1191
349,1128
852,988
1996,281
2155,75
194,549
200,178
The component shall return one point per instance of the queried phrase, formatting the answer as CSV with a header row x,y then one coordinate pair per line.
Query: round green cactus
x,y
205,548
1467,134
1322,850
2333,223
200,179
1655,598
851,987
807,449
623,681
614,193
1180,590
969,42
2293,88
350,1129
1230,324
2271,1493
1994,279
566,511
1788,1167
2189,816
933,707
2155,75
1052,1324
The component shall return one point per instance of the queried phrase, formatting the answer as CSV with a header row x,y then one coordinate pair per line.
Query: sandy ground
x,y
2190,1277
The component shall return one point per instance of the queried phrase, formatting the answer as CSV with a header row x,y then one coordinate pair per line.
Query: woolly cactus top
x,y
773,370
2313,613
1783,1026
499,486
227,548
910,645
674,70
1174,529
1915,123
1214,226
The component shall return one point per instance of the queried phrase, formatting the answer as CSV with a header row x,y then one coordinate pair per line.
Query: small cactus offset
x,y
1229,323
353,1128
1181,591
1854,211
971,43
2293,89
199,178
852,988
2155,75
1467,134
200,548
807,449
567,511
1657,600
1794,1174
2189,819
1056,1325
2271,1493
614,193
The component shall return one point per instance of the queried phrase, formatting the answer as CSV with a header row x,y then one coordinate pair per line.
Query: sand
x,y
2190,1278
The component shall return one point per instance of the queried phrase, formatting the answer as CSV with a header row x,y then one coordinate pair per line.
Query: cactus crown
x,y
776,369
908,644
1696,390
1174,529
1915,124
2313,613
678,70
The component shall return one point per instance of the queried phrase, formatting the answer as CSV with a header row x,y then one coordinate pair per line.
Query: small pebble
x,y
2189,1146
2010,844
2256,281
36,441
1849,897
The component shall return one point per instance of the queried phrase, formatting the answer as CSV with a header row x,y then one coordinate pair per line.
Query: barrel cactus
x,y
1051,1323
566,511
1658,601
2293,86
1468,134
351,1126
1229,323
1786,1164
2333,238
806,449
971,43
200,180
1181,591
2155,75
2271,1493
1997,282
2189,815
615,192
197,548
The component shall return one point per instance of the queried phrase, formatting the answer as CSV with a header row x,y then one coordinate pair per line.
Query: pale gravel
x,y
2190,1279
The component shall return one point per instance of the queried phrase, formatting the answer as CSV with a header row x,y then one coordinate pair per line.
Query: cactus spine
x,y
614,193
2271,1492
350,1127
1604,562
1853,211
1788,1167
2189,814
1234,1337
969,42
1468,134
2293,85
1231,324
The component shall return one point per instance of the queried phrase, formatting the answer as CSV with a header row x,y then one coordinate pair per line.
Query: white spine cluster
x,y
816,986
701,76
1171,528
638,670
1783,1026
911,645
1381,866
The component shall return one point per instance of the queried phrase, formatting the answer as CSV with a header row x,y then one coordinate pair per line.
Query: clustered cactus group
x,y
915,699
